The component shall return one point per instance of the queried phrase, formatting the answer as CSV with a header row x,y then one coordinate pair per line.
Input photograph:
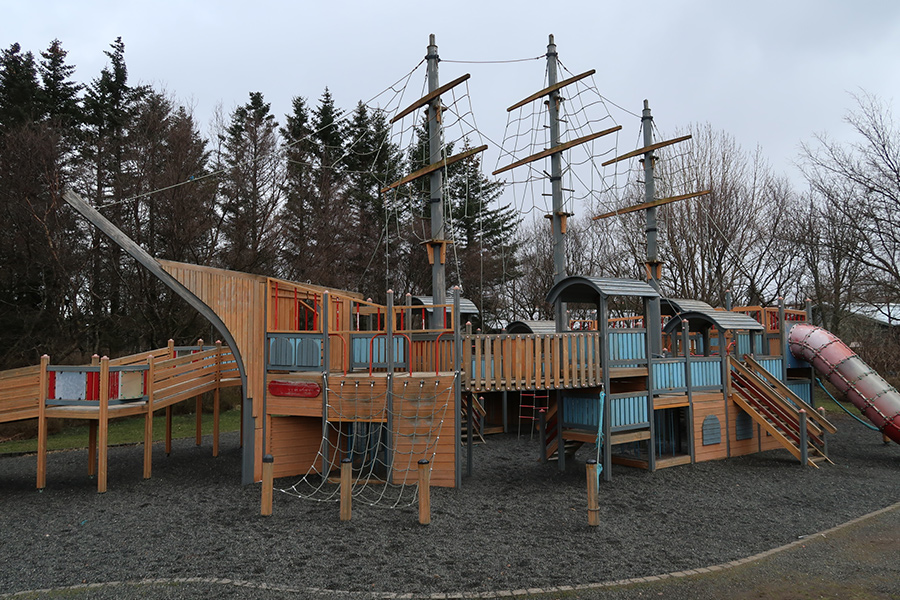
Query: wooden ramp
x,y
106,389
776,409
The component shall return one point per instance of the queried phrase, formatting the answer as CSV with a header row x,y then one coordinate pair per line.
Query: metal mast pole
x,y
556,217
649,193
654,267
438,276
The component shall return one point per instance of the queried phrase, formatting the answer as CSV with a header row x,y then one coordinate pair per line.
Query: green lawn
x,y
128,431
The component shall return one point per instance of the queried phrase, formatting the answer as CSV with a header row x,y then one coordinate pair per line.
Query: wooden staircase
x,y
477,426
776,409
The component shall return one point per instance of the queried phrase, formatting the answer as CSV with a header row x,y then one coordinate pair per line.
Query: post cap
x,y
268,458
424,461
344,461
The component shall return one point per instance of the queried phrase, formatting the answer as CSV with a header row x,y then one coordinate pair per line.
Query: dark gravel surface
x,y
516,523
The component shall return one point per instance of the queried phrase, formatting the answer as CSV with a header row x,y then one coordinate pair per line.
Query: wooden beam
x,y
429,97
646,149
551,89
435,167
651,204
555,149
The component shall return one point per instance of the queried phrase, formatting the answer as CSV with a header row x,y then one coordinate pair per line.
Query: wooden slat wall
x,y
424,423
704,405
294,442
425,419
239,299
19,393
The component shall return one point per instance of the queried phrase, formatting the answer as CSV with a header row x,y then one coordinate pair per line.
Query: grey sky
x,y
769,73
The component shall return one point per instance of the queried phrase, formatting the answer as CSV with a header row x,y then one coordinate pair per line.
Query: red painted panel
x,y
295,389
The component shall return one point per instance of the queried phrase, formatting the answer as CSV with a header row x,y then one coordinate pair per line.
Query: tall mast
x,y
654,267
437,162
438,275
557,216
653,264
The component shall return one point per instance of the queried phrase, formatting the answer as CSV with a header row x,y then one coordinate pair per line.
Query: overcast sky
x,y
769,73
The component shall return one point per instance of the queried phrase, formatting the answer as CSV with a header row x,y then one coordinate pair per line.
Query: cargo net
x,y
384,439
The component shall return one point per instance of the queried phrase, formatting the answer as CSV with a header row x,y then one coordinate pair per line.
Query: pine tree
x,y
59,93
40,250
372,163
20,90
251,189
298,190
315,219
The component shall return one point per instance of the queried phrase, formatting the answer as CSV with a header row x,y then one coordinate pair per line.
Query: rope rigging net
x,y
385,443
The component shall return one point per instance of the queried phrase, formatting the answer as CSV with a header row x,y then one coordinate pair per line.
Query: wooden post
x,y
424,492
217,398
804,444
168,430
42,424
199,407
824,434
92,432
268,471
102,462
593,493
148,419
92,448
346,488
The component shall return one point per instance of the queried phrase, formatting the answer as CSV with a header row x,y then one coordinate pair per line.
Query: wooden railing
x,y
531,362
154,374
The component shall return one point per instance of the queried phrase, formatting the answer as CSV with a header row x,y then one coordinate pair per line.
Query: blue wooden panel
x,y
743,426
772,365
582,411
295,352
627,346
668,375
801,388
308,352
628,411
743,345
712,430
363,345
706,372
281,352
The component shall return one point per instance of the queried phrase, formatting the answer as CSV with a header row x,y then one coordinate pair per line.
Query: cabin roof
x,y
578,288
531,327
466,306
701,319
673,306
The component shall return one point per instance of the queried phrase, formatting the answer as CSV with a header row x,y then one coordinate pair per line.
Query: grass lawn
x,y
127,431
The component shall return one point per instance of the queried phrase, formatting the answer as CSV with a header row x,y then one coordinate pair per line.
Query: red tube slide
x,y
866,389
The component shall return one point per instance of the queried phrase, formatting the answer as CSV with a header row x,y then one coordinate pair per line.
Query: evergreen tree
x,y
298,191
485,240
251,189
59,93
315,218
40,250
483,255
110,106
20,90
372,163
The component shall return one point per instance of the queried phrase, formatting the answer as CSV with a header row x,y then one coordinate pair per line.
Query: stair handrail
x,y
777,402
811,413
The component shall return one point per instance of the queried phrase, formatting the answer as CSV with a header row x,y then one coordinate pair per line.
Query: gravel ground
x,y
515,524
